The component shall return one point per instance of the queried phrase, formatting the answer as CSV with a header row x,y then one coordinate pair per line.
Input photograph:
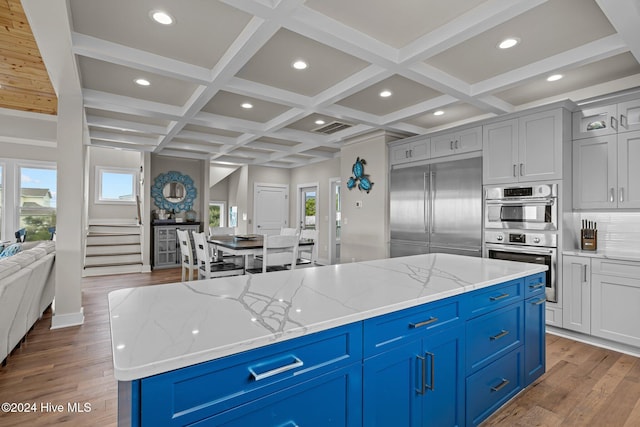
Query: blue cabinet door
x,y
534,338
444,378
391,384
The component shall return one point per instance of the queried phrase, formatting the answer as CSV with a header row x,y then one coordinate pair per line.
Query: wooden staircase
x,y
113,248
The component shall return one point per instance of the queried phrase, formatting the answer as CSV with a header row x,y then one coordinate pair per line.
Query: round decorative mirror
x,y
173,191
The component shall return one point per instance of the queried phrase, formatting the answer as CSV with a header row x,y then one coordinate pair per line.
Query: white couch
x,y
27,287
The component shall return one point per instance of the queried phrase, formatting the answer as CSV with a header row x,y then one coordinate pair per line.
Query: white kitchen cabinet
x,y
615,299
528,148
463,141
607,120
576,289
605,175
410,151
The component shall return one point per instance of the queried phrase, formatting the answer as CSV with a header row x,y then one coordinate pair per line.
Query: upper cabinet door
x,y
629,115
595,122
500,152
594,173
540,146
628,171
463,141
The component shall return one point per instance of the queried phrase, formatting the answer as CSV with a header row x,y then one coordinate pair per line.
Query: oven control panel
x,y
521,238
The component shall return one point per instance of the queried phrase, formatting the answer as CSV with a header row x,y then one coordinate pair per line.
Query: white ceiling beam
x,y
466,26
122,146
127,105
418,109
115,53
124,125
124,138
183,154
270,146
206,137
204,148
217,121
320,153
267,93
624,15
352,84
591,52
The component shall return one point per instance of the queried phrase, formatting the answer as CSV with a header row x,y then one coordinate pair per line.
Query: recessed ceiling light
x,y
300,64
385,93
143,82
554,77
438,113
320,122
507,43
161,17
247,105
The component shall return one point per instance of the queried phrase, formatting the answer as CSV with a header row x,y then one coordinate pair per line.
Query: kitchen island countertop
x,y
155,329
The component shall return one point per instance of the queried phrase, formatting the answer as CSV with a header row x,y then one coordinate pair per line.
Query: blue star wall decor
x,y
359,178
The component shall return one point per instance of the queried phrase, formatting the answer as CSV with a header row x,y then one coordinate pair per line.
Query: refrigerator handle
x,y
424,201
431,200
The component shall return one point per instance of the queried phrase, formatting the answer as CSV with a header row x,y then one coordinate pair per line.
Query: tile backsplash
x,y
617,231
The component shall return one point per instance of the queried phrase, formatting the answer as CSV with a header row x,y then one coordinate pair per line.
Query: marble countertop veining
x,y
155,329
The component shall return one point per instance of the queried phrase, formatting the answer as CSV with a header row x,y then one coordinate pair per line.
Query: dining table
x,y
244,245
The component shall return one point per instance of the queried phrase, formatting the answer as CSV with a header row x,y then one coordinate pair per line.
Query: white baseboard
x,y
596,341
66,320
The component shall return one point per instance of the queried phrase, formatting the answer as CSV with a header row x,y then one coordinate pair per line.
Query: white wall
x,y
108,157
365,230
320,173
238,183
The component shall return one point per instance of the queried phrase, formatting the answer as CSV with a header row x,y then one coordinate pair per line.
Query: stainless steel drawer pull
x,y
499,297
622,194
514,170
614,123
612,195
538,286
501,385
257,376
432,387
500,335
540,301
623,121
425,323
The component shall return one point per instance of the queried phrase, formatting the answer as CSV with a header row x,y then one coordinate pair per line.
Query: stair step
x,y
112,269
104,260
93,250
93,240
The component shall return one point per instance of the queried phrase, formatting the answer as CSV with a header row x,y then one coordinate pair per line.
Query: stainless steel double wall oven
x,y
521,224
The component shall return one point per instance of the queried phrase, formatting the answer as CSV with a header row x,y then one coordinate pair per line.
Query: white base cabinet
x,y
615,296
601,297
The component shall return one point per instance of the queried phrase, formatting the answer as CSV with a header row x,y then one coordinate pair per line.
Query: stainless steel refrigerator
x,y
437,208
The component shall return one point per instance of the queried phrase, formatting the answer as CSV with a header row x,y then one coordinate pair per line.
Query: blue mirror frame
x,y
161,202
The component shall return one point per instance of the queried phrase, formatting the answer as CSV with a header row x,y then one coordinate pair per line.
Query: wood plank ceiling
x,y
24,81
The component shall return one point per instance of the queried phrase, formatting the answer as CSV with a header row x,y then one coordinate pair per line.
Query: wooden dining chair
x,y
208,268
278,253
186,254
308,255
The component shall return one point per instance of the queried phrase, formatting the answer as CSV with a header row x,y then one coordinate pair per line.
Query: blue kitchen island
x,y
432,339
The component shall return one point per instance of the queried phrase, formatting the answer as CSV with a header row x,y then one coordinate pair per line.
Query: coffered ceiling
x,y
430,55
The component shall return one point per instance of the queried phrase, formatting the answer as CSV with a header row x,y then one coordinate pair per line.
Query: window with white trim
x,y
216,214
116,185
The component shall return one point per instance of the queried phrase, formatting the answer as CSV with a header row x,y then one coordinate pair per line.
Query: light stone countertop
x,y
606,254
155,329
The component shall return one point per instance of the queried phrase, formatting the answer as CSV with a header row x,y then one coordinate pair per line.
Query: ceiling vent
x,y
332,127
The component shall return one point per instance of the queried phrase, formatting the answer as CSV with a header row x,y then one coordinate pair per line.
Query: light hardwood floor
x,y
583,386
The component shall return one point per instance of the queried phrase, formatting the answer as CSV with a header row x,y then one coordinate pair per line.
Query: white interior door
x,y
270,208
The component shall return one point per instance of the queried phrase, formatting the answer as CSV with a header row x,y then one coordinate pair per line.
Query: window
x,y
216,214
115,185
37,209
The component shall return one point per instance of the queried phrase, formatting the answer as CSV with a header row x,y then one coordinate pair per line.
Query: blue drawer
x,y
190,394
334,399
494,334
534,285
485,300
387,332
491,387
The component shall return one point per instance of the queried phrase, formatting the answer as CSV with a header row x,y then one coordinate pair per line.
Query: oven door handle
x,y
527,249
528,202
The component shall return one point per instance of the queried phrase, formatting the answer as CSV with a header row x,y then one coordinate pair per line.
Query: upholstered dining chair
x,y
186,254
278,253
